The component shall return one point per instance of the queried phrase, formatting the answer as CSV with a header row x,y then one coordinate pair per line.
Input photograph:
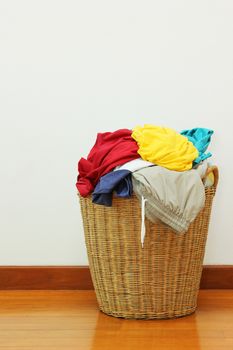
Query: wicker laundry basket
x,y
160,280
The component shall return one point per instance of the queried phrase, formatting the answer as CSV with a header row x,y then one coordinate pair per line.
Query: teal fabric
x,y
200,137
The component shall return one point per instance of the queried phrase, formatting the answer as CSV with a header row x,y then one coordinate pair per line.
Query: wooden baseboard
x,y
78,277
45,277
217,277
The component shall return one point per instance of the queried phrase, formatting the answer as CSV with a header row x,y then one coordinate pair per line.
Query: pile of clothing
x,y
166,170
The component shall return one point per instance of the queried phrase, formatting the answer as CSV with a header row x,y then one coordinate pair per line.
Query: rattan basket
x,y
160,280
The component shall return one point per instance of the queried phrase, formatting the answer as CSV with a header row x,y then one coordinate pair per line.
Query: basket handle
x,y
215,171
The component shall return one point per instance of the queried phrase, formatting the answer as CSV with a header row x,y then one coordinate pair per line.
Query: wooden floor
x,y
71,320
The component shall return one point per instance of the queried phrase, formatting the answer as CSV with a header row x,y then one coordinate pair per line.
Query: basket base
x,y
151,316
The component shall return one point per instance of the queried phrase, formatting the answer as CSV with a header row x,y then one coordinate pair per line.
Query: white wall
x,y
70,69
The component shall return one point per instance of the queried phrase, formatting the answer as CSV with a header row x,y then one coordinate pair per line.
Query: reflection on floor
x,y
39,320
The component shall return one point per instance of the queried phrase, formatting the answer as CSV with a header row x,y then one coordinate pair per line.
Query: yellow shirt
x,y
165,147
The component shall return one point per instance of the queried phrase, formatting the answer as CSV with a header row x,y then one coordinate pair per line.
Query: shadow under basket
x,y
160,280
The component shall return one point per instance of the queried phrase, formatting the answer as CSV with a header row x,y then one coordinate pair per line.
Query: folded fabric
x,y
173,197
165,147
134,165
200,137
110,150
118,181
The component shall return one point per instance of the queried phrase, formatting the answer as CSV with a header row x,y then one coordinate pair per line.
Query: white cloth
x,y
134,165
143,227
201,168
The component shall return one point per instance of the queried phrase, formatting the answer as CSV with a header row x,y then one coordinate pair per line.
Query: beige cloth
x,y
170,196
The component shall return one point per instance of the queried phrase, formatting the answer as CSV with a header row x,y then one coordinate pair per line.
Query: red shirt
x,y
110,150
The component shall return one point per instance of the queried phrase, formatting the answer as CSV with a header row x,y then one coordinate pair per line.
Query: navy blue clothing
x,y
118,181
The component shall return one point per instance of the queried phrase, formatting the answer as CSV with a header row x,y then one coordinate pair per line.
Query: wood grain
x,y
70,320
78,277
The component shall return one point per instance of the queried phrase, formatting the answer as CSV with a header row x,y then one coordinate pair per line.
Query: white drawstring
x,y
143,228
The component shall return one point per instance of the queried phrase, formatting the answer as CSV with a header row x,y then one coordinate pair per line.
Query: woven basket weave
x,y
160,280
